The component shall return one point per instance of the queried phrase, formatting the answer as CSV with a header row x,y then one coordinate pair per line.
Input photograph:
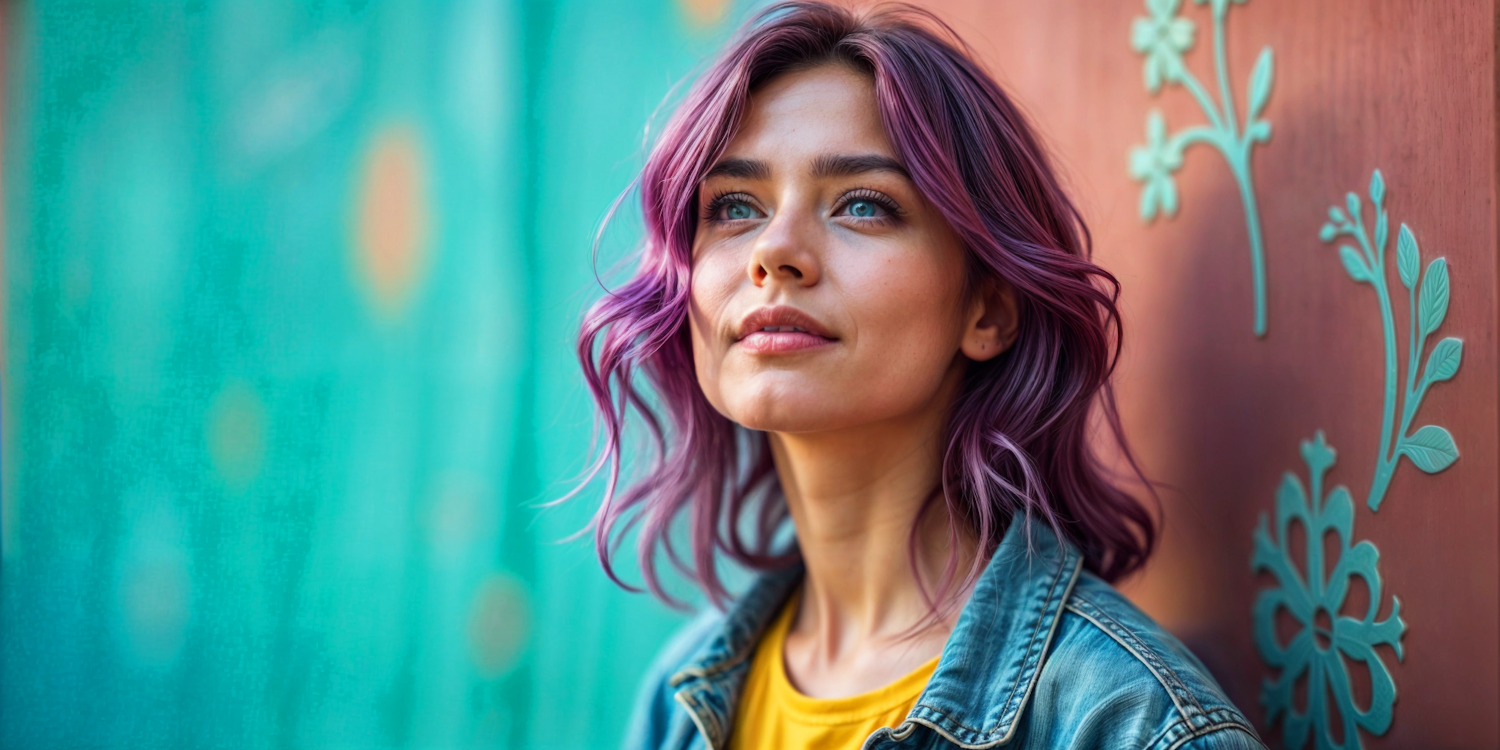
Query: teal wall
x,y
290,295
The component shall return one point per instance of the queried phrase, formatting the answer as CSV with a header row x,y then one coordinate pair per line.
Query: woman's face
x,y
826,291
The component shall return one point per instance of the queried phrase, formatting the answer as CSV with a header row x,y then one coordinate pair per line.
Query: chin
x,y
778,412
782,421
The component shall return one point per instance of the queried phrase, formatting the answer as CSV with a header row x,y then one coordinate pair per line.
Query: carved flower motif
x,y
1327,641
1162,38
1153,165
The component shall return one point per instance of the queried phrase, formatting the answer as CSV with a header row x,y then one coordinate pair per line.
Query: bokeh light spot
x,y
153,587
236,433
704,13
392,216
154,599
457,516
499,622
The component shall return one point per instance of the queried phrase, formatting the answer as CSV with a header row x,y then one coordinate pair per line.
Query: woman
x,y
865,306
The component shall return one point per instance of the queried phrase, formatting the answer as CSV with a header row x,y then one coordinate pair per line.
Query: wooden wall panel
x,y
1406,86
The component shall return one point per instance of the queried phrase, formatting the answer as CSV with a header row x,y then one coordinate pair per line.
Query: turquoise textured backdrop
x,y
291,290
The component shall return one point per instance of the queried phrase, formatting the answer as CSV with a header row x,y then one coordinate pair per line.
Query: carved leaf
x,y
1377,188
1431,449
1260,83
1434,295
1353,263
1408,258
1444,360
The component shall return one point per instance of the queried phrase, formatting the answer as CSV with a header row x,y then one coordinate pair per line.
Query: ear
x,y
992,324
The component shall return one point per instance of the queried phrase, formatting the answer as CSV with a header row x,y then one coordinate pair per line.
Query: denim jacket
x,y
1044,655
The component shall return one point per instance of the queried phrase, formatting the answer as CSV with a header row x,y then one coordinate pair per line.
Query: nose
x,y
784,251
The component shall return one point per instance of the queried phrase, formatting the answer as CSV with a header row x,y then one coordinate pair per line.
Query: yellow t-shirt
x,y
772,715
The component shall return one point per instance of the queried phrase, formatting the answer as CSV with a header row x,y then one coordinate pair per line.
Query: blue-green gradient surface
x,y
291,293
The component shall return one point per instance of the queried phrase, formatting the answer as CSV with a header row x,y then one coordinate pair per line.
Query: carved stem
x,y
1225,91
1385,461
1241,169
1205,102
1415,391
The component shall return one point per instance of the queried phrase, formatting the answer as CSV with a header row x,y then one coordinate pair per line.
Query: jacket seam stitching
x,y
1062,566
1223,718
983,733
1166,734
949,735
1171,693
1067,592
685,697
1210,729
950,718
1146,650
734,658
719,666
712,669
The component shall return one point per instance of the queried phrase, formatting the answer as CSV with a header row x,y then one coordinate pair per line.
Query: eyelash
x,y
711,211
892,211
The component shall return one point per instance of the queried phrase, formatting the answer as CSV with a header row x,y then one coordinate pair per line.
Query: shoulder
x,y
1114,678
654,719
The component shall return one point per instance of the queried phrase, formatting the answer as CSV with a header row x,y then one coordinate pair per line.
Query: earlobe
x,y
982,346
993,324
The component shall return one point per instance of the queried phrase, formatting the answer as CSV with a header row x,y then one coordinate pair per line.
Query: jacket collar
x,y
988,668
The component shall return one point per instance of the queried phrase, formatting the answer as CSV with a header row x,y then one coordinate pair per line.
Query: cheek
x,y
712,287
908,311
910,325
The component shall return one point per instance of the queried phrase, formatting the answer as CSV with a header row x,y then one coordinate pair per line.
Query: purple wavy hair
x,y
1017,440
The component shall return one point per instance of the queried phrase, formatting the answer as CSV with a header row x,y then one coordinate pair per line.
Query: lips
x,y
782,329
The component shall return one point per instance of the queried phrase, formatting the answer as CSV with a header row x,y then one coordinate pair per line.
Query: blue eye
x,y
730,207
868,205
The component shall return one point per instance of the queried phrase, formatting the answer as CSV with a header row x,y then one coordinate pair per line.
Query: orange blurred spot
x,y
499,621
392,219
704,13
236,433
154,596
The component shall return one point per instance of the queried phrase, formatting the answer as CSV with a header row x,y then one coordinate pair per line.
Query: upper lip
x,y
779,316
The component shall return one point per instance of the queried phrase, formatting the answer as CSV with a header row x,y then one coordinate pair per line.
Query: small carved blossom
x,y
1162,37
1153,165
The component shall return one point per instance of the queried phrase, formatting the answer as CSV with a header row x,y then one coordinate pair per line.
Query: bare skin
x,y
829,310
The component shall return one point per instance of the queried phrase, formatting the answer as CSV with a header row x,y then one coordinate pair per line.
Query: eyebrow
x,y
745,169
843,165
827,165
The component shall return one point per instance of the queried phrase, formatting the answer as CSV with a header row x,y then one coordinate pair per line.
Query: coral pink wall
x,y
1217,413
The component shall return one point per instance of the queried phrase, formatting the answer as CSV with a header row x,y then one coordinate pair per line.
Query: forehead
x,y
798,115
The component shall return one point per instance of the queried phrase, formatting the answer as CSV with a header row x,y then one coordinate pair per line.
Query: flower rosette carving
x,y
1327,640
1153,165
1163,38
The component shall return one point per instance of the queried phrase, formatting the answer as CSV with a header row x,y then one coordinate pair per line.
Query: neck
x,y
855,496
